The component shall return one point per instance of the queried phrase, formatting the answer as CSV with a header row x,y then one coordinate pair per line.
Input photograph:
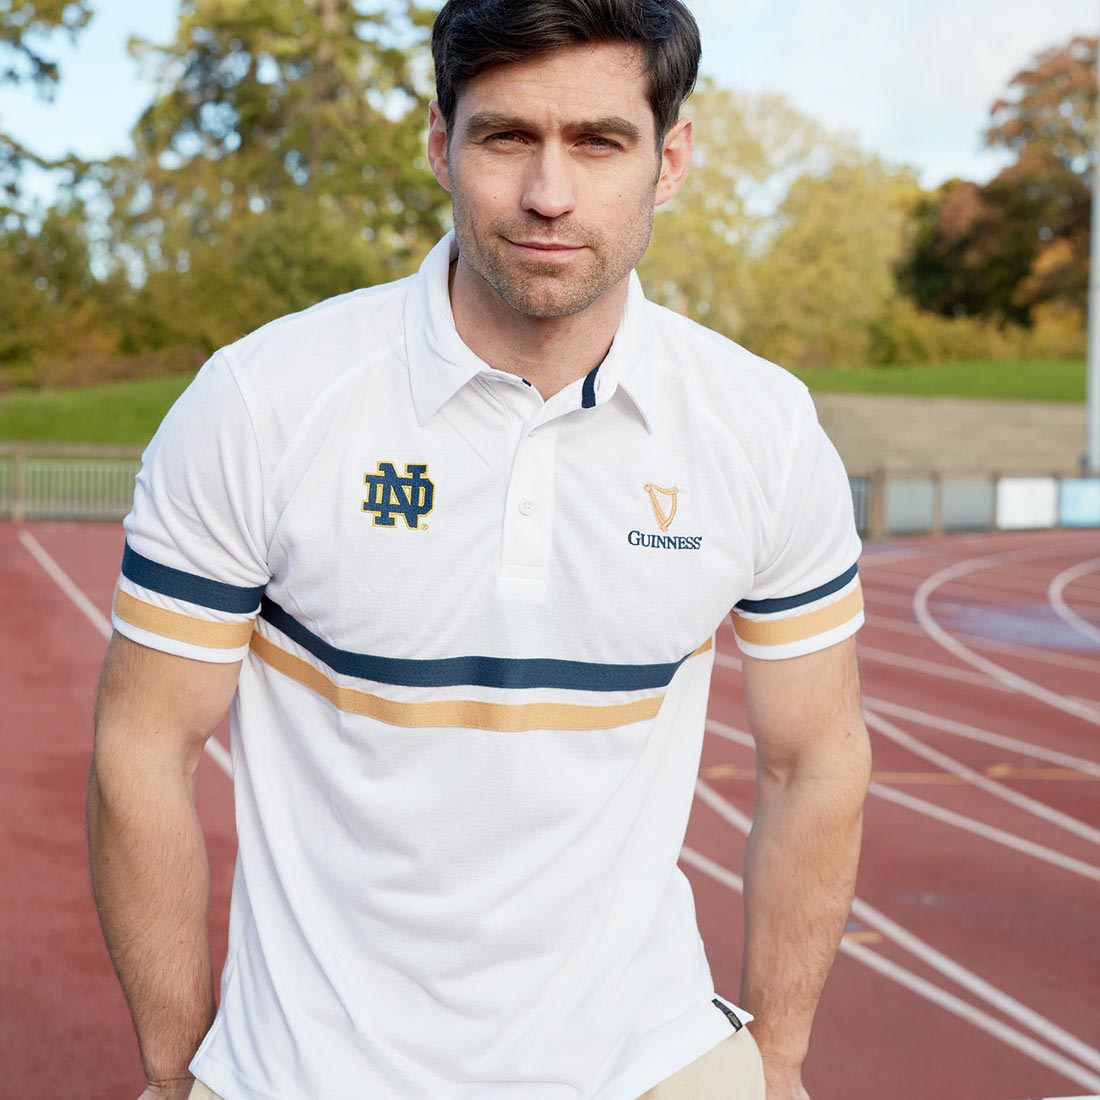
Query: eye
x,y
506,137
601,142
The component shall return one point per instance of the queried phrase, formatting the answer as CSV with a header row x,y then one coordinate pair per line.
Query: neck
x,y
550,352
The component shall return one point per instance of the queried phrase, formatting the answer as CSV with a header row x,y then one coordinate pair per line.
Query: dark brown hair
x,y
471,35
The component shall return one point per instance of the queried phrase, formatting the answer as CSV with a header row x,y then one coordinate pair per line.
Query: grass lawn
x,y
129,412
1034,380
116,412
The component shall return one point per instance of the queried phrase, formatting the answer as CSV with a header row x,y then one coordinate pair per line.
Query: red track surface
x,y
1024,921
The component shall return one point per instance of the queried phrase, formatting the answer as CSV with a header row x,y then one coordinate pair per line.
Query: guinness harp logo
x,y
663,502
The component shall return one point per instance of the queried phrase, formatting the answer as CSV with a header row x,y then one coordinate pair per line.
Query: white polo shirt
x,y
477,634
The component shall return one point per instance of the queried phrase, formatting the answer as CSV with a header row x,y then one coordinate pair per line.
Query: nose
x,y
549,189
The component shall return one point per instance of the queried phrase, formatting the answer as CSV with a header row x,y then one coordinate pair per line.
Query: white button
x,y
526,505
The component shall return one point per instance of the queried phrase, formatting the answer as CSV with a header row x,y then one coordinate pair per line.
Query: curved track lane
x,y
970,967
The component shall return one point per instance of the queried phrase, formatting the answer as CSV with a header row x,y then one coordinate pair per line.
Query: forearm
x,y
800,869
151,883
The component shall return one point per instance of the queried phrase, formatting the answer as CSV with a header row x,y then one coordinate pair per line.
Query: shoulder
x,y
754,404
309,349
295,369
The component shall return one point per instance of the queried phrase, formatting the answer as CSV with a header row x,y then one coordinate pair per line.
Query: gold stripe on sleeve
x,y
457,713
182,628
799,627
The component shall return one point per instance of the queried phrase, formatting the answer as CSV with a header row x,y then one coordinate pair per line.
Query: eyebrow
x,y
488,122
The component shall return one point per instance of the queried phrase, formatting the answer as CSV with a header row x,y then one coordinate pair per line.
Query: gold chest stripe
x,y
458,713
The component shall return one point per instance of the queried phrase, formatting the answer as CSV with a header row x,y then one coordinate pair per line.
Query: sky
x,y
912,80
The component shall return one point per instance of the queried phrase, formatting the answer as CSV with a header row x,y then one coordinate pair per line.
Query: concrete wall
x,y
953,435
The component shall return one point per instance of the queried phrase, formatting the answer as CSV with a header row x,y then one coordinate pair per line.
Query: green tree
x,y
38,268
784,237
828,274
281,161
706,241
25,28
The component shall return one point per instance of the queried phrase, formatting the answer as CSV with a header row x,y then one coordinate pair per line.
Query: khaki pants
x,y
730,1071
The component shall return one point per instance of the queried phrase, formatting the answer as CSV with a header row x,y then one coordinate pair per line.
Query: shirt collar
x,y
440,363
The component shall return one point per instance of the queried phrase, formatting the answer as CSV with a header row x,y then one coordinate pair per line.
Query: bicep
x,y
158,708
804,712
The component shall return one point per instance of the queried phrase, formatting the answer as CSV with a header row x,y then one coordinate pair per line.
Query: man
x,y
454,550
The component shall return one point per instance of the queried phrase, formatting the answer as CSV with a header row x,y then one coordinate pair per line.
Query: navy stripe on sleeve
x,y
496,672
216,595
785,603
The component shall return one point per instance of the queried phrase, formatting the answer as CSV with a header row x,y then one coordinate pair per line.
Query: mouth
x,y
546,249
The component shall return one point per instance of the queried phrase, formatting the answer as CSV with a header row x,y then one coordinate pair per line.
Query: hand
x,y
176,1089
784,1082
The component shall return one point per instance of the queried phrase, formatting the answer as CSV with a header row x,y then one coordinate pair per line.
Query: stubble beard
x,y
552,289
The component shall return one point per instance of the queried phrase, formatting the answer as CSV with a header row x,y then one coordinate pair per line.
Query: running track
x,y
971,967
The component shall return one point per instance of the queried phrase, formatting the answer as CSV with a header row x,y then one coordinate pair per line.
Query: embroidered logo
x,y
412,496
657,495
663,503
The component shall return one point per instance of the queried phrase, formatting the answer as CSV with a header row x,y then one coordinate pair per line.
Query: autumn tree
x,y
1020,242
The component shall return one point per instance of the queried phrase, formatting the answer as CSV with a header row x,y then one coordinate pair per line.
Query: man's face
x,y
553,169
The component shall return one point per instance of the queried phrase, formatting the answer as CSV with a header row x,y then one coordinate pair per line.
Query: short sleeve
x,y
806,595
194,565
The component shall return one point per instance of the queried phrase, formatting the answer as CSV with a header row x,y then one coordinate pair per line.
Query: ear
x,y
675,161
437,145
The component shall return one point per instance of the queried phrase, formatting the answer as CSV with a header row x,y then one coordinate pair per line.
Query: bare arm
x,y
147,854
813,767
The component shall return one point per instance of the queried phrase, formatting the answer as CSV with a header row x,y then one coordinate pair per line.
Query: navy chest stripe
x,y
785,603
494,672
180,585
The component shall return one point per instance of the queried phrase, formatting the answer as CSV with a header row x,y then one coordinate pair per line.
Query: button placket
x,y
530,504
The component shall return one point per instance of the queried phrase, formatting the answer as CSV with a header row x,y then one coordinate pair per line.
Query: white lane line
x,y
1058,602
1027,582
974,733
988,832
960,729
965,1011
921,597
214,747
65,583
929,955
975,593
986,991
931,668
731,733
727,660
983,782
220,755
1014,649
927,809
914,664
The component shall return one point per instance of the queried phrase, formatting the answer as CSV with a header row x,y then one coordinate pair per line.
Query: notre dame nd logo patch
x,y
411,496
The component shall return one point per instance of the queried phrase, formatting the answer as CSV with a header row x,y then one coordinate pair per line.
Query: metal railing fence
x,y
68,488
66,482
87,482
